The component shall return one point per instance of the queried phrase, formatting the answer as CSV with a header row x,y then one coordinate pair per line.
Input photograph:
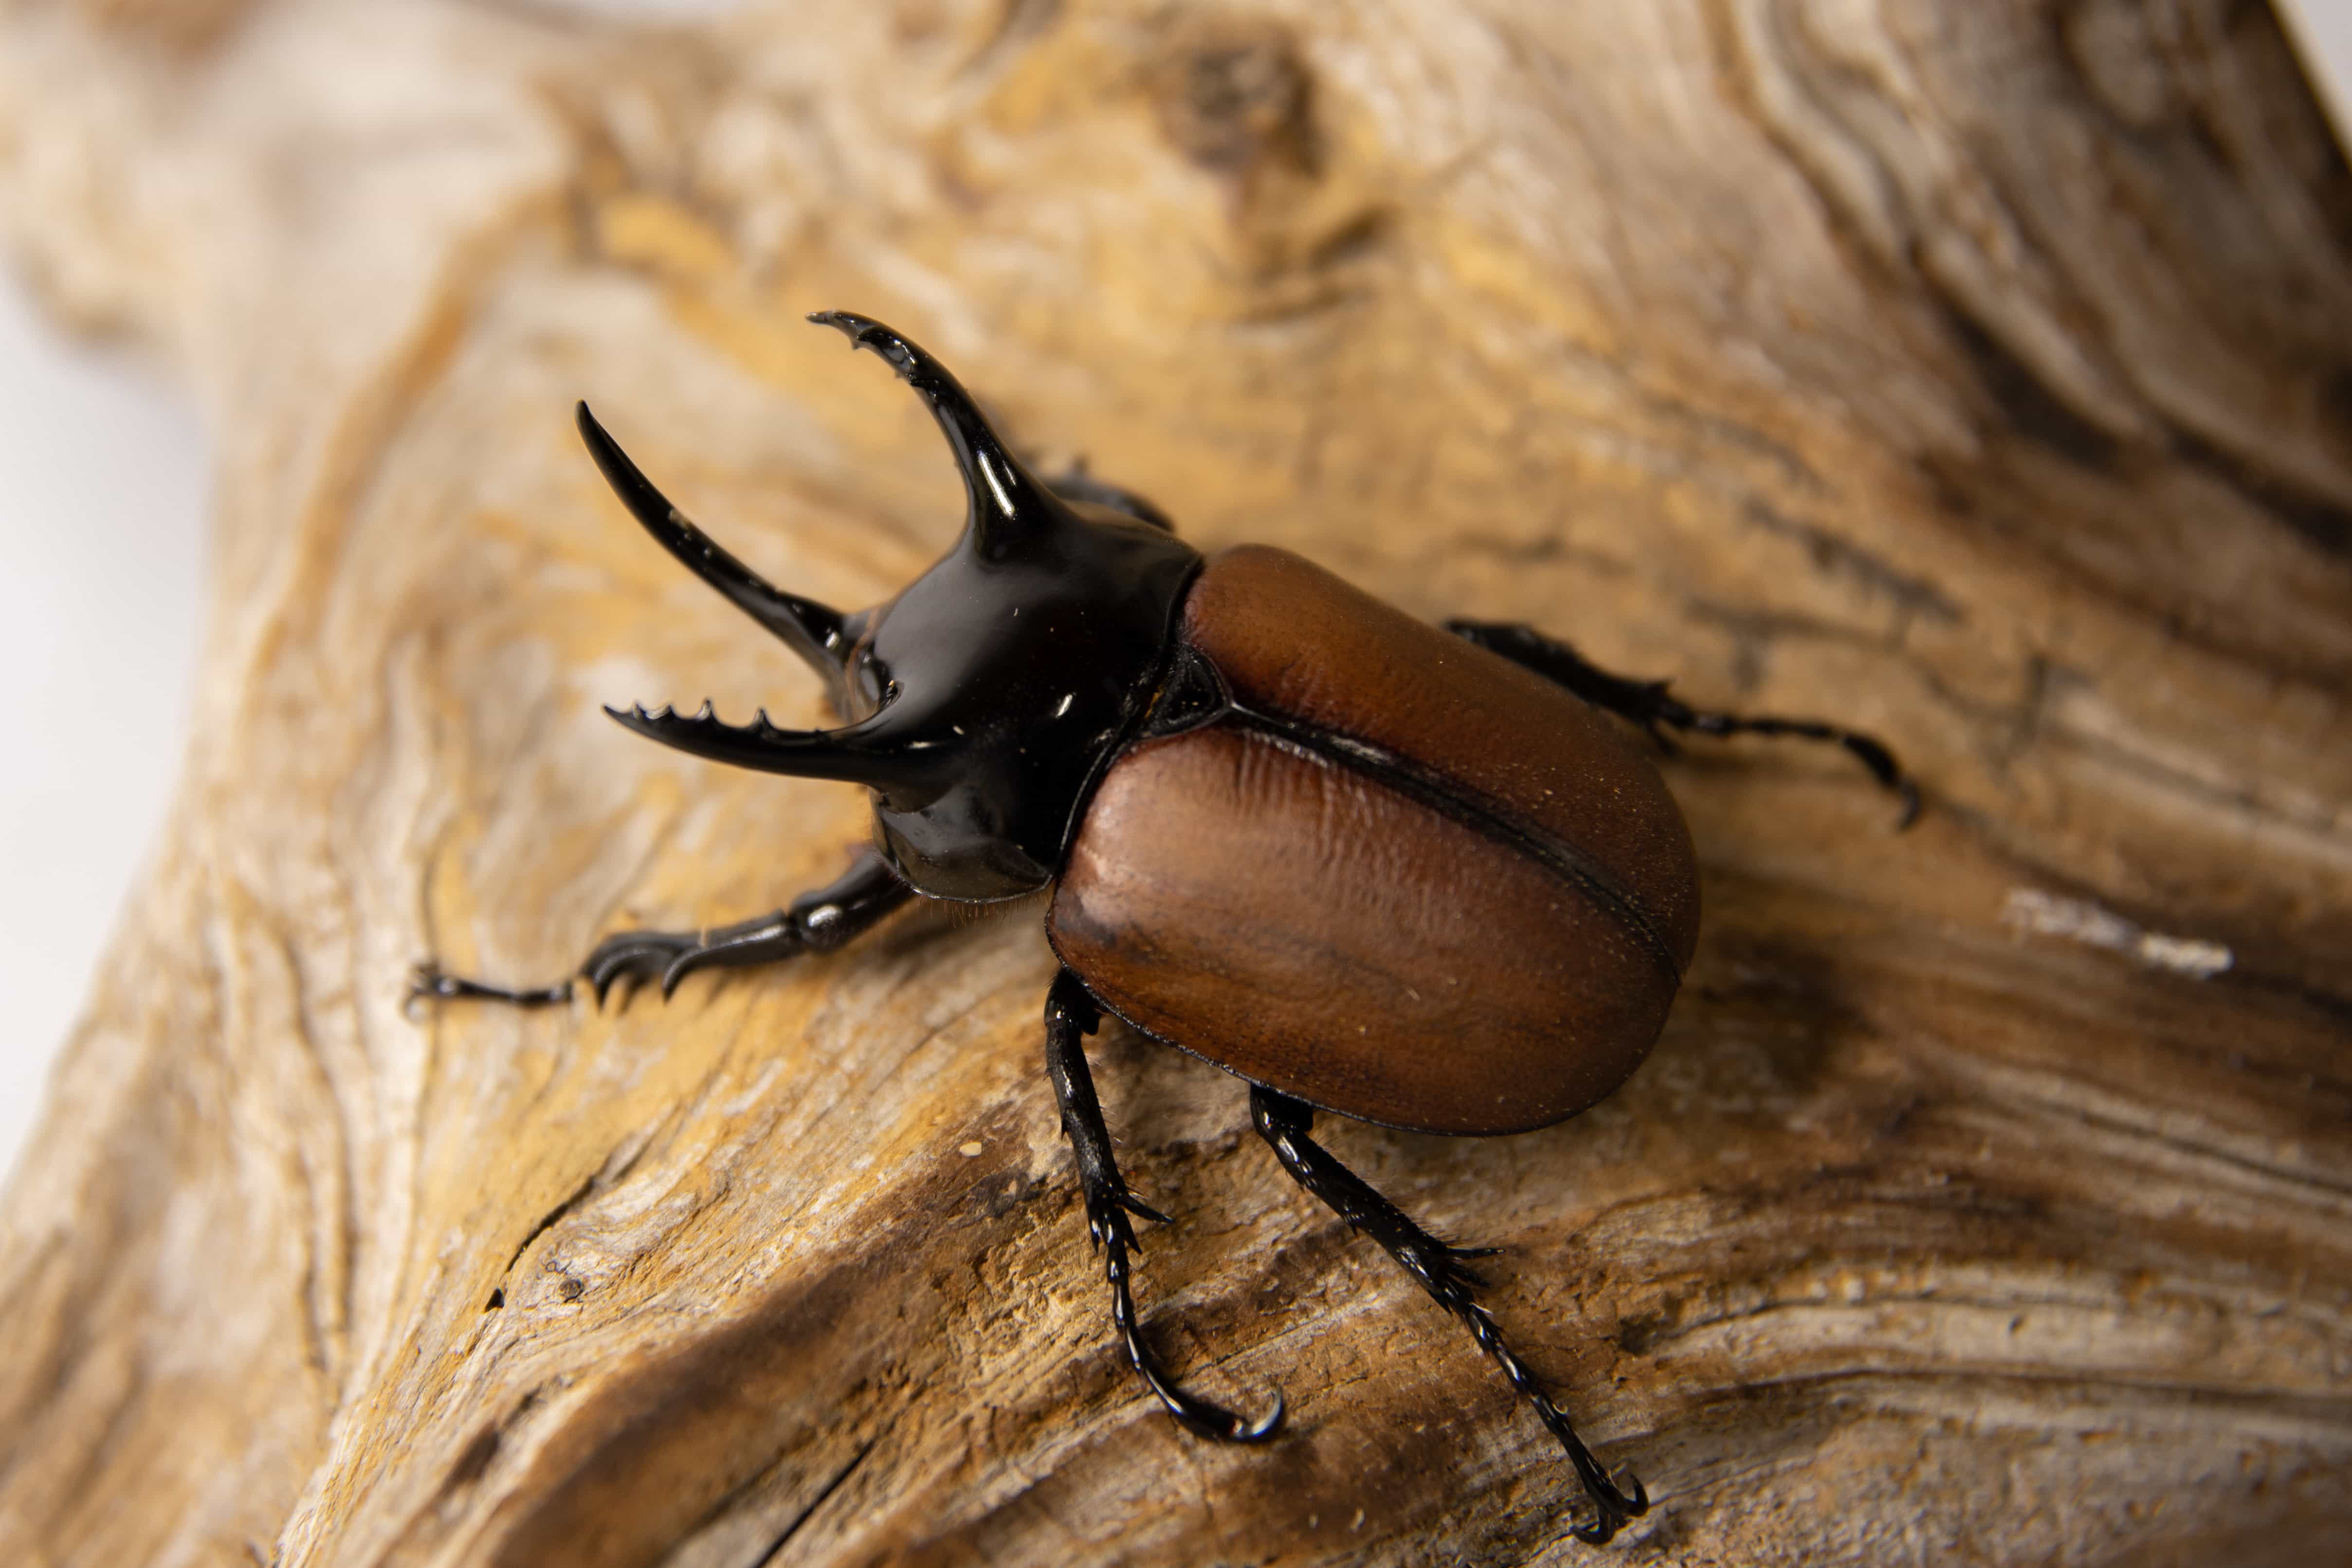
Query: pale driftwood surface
x,y
1978,371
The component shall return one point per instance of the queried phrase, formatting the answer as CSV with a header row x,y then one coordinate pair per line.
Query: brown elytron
x,y
1379,940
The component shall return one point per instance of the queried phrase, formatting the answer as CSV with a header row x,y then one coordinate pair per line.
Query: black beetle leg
x,y
1076,484
1071,1014
1646,703
817,921
427,980
1284,1124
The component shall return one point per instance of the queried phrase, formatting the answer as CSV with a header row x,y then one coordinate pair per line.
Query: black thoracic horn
x,y
811,630
1009,505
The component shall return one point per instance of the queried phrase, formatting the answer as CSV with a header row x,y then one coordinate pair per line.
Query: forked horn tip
x,y
848,321
865,332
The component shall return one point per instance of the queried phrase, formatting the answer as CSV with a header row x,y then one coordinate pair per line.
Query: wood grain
x,y
1973,371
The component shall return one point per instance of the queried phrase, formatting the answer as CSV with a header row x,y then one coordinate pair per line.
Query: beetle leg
x,y
1646,703
1077,484
1071,1014
1284,1124
428,980
817,921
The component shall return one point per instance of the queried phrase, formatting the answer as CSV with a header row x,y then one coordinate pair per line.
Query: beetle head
x,y
986,696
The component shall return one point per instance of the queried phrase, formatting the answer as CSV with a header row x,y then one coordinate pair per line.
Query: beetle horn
x,y
811,630
865,753
1009,504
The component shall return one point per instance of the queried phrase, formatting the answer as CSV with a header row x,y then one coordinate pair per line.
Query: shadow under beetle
x,y
1414,877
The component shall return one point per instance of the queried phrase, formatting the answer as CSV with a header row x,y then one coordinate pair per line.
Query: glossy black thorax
x,y
980,702
1016,675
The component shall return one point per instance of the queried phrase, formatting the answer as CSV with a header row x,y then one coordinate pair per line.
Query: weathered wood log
x,y
1976,372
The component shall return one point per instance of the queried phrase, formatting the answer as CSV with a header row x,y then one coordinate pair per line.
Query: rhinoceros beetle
x,y
1416,877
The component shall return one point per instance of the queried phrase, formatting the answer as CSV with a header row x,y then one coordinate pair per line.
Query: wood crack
x,y
825,1495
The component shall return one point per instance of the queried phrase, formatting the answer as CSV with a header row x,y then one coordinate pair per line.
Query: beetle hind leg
x,y
817,921
1648,704
1284,1124
1071,1014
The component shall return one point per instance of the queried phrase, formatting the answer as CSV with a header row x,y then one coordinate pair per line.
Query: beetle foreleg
x,y
1077,484
1284,1124
1647,703
427,980
1071,1014
817,921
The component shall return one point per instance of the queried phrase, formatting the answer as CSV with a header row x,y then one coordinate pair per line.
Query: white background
x,y
103,478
